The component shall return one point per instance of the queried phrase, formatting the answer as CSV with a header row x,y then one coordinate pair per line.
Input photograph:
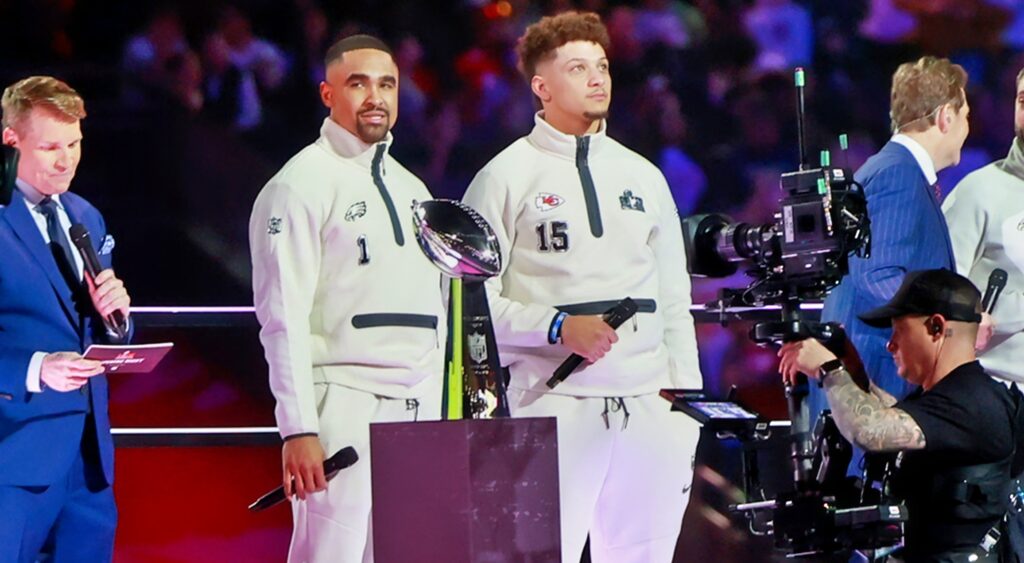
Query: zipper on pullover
x,y
589,192
600,307
378,180
411,320
374,320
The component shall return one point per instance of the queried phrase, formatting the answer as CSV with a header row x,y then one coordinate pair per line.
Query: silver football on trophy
x,y
456,239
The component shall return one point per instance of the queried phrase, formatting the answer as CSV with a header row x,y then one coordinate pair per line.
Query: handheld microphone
x,y
340,460
996,283
115,321
620,313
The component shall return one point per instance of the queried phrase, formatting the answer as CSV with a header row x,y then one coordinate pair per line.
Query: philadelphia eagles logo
x,y
274,226
355,211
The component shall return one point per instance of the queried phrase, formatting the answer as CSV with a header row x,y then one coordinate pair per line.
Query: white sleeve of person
x,y
515,323
284,235
985,216
674,289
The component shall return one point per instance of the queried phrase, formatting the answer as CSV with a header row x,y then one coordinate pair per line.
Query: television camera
x,y
800,256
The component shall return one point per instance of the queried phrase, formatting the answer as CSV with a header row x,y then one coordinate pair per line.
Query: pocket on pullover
x,y
423,323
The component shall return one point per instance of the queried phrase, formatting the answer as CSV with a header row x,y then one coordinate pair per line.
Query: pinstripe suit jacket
x,y
908,232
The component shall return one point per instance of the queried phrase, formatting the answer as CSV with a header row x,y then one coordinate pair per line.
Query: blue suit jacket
x,y
40,433
908,232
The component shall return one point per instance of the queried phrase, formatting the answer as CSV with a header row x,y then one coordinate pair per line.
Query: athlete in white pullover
x,y
584,222
985,213
352,316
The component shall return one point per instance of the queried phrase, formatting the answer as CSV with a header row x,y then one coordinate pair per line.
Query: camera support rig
x,y
802,255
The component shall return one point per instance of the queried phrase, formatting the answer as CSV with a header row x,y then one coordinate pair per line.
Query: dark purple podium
x,y
465,491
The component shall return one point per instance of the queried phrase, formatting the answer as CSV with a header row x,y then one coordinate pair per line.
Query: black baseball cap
x,y
930,292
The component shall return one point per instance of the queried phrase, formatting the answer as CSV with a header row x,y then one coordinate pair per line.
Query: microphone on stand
x,y
115,321
996,283
340,460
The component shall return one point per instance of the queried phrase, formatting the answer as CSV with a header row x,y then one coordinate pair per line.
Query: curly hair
x,y
920,88
45,92
541,39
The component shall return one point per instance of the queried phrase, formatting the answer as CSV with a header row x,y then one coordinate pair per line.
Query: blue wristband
x,y
555,332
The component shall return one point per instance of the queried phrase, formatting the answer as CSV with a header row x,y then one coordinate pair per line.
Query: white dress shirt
x,y
924,160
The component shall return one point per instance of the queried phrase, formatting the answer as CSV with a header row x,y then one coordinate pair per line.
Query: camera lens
x,y
743,241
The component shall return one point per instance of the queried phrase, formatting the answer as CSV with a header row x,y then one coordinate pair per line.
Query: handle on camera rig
x,y
792,328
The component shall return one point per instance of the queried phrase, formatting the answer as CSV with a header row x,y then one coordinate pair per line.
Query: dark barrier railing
x,y
244,316
190,317
193,437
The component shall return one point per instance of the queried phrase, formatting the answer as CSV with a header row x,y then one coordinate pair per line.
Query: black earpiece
x,y
935,327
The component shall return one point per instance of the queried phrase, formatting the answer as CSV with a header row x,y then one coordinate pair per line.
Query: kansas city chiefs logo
x,y
547,202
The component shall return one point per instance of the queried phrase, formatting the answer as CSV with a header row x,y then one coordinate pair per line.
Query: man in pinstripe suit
x,y
929,121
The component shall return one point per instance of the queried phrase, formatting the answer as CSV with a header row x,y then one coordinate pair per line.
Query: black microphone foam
x,y
80,238
340,460
996,283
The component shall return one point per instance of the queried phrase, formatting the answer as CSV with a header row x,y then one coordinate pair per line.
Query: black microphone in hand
x,y
996,283
115,321
340,460
620,313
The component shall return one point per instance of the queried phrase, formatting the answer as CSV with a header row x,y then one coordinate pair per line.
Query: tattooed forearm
x,y
883,396
866,421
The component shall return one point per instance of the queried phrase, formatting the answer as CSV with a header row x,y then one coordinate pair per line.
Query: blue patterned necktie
x,y
62,254
59,244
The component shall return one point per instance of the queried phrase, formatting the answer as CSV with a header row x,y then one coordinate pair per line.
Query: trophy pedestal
x,y
463,491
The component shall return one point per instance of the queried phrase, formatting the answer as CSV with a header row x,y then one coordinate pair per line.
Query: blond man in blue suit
x,y
56,452
929,113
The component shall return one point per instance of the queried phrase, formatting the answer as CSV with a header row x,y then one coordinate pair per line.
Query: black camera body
x,y
822,219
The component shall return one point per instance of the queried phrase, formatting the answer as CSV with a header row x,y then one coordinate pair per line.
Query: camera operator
x,y
955,433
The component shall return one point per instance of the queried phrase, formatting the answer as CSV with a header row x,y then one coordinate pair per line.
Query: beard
x,y
596,115
1019,133
371,133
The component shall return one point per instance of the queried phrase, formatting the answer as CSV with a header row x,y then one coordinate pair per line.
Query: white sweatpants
x,y
333,526
626,482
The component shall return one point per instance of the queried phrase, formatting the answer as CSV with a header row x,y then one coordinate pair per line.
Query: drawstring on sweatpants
x,y
413,405
614,404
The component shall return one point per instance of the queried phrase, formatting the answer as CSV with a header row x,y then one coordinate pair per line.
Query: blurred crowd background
x,y
194,104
